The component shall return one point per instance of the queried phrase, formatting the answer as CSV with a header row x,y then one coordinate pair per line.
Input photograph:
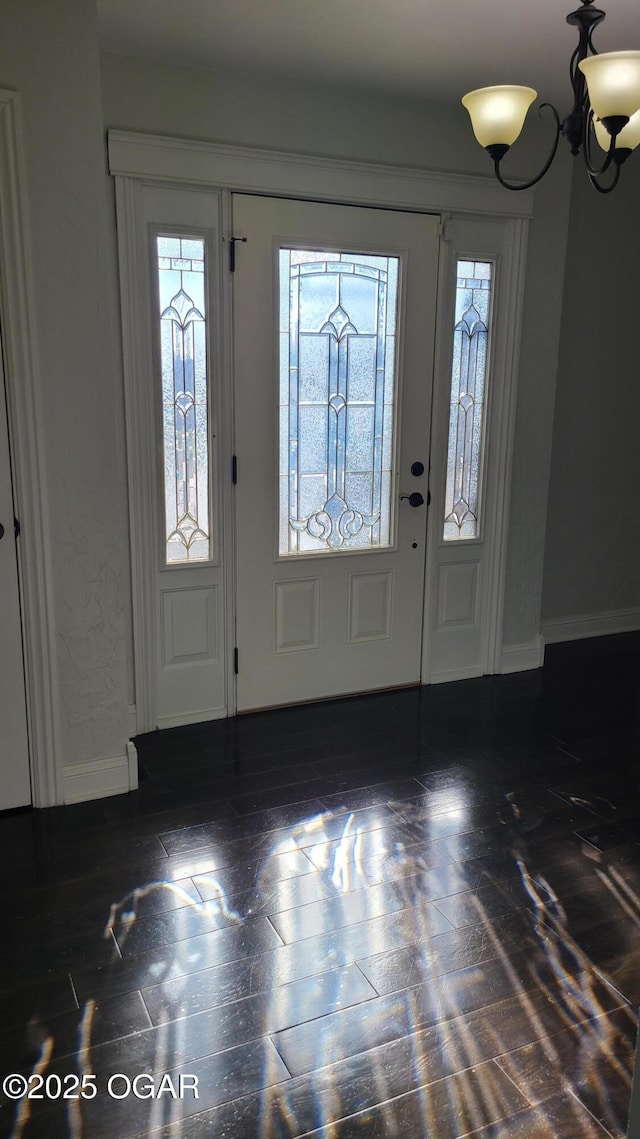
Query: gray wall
x,y
592,560
144,96
48,52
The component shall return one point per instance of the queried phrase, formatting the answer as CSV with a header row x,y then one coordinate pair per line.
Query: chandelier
x,y
606,106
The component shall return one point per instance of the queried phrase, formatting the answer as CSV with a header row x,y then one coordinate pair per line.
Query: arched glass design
x,y
338,314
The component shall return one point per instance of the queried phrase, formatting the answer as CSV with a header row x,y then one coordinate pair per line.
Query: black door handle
x,y
417,469
414,499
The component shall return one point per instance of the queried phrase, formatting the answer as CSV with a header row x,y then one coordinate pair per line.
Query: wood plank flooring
x,y
412,914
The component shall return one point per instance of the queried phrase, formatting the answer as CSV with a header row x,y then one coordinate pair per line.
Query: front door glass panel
x,y
338,320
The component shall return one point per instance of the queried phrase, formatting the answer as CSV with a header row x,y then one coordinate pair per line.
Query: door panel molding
x,y
370,606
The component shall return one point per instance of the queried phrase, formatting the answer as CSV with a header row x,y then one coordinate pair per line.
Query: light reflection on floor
x,y
439,1040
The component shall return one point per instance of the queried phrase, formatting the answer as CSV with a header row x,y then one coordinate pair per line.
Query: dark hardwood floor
x,y
412,914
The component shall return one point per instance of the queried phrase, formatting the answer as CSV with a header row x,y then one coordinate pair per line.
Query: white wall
x,y
144,96
592,561
48,52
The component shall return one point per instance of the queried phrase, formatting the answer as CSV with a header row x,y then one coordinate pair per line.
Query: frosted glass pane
x,y
362,368
360,438
192,248
366,259
313,492
359,296
337,376
314,368
168,246
312,440
318,297
466,413
180,266
359,492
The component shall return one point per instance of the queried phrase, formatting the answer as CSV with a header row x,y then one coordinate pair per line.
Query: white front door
x,y
334,318
15,787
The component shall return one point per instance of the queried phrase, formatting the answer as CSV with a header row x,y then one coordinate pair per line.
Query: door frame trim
x,y
152,159
280,174
17,300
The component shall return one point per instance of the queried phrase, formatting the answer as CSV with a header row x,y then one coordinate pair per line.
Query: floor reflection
x,y
498,1004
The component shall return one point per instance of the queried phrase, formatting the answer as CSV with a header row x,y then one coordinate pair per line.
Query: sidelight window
x,y
468,384
182,291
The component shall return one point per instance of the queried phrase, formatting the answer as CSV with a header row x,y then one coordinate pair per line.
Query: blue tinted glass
x,y
183,361
466,413
336,435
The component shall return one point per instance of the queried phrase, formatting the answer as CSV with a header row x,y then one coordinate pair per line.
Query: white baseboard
x,y
192,718
522,658
132,757
453,674
591,625
98,778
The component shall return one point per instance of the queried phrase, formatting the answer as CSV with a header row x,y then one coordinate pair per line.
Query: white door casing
x,y
142,162
15,786
22,380
308,625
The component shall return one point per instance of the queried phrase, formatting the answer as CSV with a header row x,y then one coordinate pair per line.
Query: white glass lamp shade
x,y
628,138
613,82
498,113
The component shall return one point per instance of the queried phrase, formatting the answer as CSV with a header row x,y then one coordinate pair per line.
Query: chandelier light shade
x,y
498,113
606,107
613,81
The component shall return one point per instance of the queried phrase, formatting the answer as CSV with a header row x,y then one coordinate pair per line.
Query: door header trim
x,y
285,174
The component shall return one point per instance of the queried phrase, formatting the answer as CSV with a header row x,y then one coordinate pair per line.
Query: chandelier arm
x,y
593,170
528,185
592,49
605,189
574,75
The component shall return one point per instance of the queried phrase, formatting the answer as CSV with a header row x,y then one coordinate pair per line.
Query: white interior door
x,y
334,315
15,787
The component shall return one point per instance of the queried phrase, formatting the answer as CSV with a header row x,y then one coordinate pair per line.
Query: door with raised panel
x,y
334,317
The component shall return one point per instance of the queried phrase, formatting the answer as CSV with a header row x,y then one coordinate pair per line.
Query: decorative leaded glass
x,y
337,391
183,355
468,376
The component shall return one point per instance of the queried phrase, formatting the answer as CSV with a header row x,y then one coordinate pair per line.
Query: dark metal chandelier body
x,y
581,123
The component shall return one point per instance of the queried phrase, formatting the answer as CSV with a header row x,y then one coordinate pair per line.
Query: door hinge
x,y
234,469
235,661
443,227
232,252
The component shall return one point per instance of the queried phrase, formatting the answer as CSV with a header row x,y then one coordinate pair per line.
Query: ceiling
x,y
421,48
